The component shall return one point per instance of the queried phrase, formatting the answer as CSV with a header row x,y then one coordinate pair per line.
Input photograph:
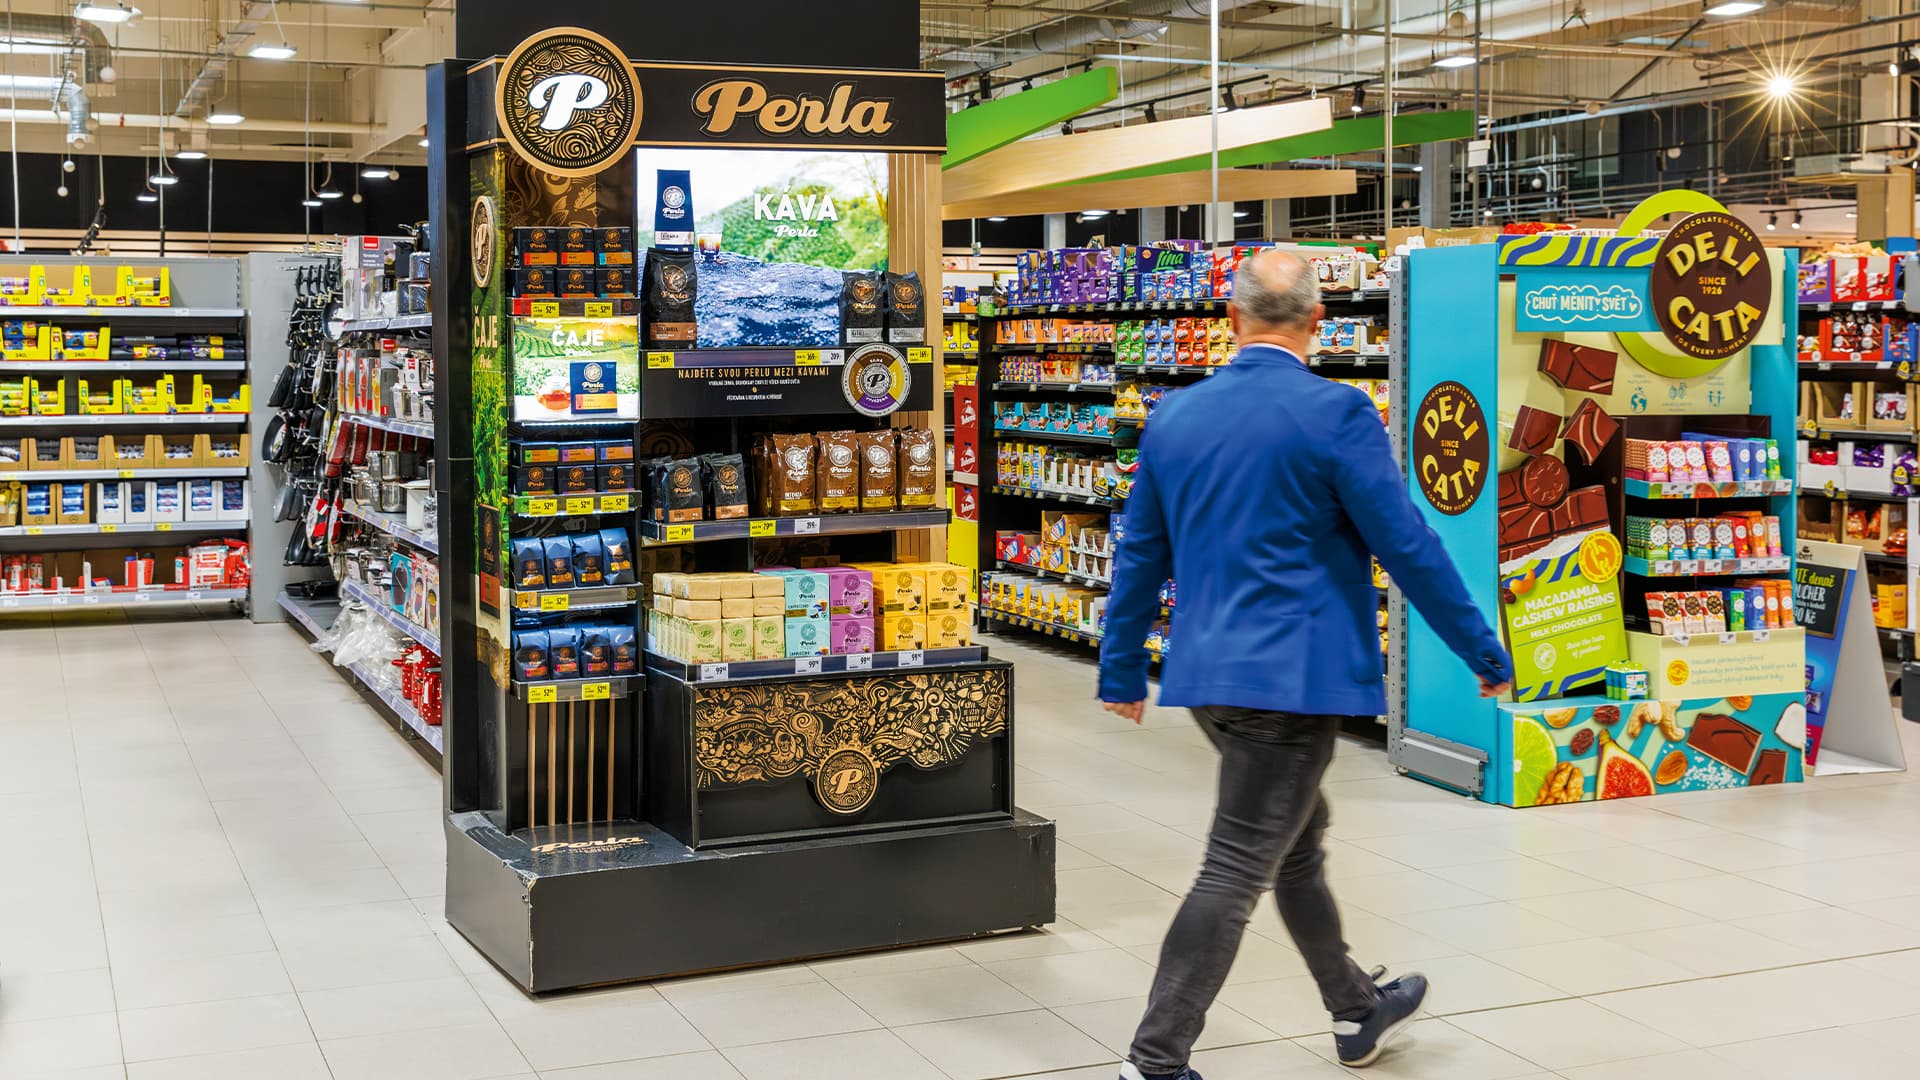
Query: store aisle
x,y
228,868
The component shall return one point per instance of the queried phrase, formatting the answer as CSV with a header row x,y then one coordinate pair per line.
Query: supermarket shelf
x,y
698,531
813,665
1896,632
1642,489
31,475
1129,421
1193,370
1705,567
577,307
388,423
1057,575
552,600
1057,496
308,614
1212,306
1851,366
556,690
1054,436
397,322
1858,434
1054,348
572,505
963,356
1856,305
1854,496
118,598
141,529
961,316
1060,387
1059,630
8,311
1875,558
123,365
393,618
126,420
392,525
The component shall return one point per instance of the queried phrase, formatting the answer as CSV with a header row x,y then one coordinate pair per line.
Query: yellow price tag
x,y
526,601
35,530
615,504
920,355
109,528
543,507
554,601
679,533
543,695
164,526
546,309
597,309
658,360
128,474
579,504
806,357
763,527
596,691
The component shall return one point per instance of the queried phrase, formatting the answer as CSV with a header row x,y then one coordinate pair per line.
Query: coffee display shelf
x,y
1856,434
1104,389
33,601
1733,489
793,667
1057,575
121,314
392,525
1059,496
1053,436
144,528
391,424
576,307
231,366
380,606
660,532
396,322
308,615
1191,370
595,598
825,356
125,420
1674,568
1879,558
549,691
606,502
33,475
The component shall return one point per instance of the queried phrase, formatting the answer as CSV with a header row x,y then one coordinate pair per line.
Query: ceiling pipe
x,y
155,120
195,97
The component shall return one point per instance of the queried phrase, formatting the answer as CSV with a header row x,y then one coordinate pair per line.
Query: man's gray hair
x,y
1276,288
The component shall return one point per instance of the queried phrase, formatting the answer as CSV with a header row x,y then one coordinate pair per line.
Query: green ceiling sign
x,y
989,126
1344,137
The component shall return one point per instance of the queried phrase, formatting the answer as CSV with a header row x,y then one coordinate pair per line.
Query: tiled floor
x,y
224,867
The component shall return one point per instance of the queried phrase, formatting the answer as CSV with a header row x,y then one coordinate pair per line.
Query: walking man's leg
x,y
1313,920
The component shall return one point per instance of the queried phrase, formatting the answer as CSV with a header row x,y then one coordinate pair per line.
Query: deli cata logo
x,y
1712,285
568,101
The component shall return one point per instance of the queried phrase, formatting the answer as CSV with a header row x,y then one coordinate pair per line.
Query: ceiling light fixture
x,y
313,203
106,13
1359,99
1153,115
192,155
1853,213
1796,219
281,51
147,196
375,172
1242,213
1227,98
330,194
1457,60
424,143
1729,8
226,119
1906,60
997,219
1095,214
163,178
1773,222
1780,86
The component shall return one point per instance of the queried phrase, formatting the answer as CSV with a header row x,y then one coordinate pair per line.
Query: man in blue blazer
x,y
1262,491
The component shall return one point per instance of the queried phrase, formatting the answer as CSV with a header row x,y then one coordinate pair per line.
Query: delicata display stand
x,y
701,285
1600,429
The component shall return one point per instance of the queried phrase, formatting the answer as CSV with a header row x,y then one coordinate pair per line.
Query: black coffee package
x,y
559,562
563,652
618,552
624,649
589,561
674,490
596,652
666,300
906,309
530,655
863,307
726,476
529,565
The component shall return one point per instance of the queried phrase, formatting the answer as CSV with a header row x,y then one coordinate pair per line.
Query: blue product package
x,y
673,210
563,652
530,661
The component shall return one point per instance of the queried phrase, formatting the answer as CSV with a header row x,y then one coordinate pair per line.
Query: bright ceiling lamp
x,y
226,119
1096,214
311,203
282,51
379,172
191,155
331,194
163,178
106,13
996,219
1729,8
1457,60
424,143
1780,86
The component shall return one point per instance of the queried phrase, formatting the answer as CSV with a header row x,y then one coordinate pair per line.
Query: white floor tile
x,y
213,1027
861,1055
1566,1034
987,1047
301,1061
921,997
779,1013
475,1052
1077,978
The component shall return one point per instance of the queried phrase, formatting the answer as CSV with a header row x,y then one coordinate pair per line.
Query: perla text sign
x,y
567,101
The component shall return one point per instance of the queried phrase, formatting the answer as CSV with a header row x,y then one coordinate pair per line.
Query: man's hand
x,y
1132,710
1488,689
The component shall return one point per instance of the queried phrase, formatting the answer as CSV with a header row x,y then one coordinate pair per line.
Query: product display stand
x,y
1851,727
124,433
1590,436
696,814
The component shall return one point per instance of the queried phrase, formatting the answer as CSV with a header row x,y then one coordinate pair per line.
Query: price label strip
x,y
679,534
543,695
555,601
763,527
596,691
580,504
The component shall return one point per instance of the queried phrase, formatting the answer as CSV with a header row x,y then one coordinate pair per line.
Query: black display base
x,y
563,908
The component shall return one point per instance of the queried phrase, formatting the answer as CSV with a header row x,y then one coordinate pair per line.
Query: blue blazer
x,y
1261,492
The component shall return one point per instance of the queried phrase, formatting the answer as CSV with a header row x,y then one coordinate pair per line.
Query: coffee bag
x,y
838,471
863,307
919,470
879,472
666,300
906,309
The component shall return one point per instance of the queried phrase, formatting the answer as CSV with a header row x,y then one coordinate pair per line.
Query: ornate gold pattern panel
x,y
844,734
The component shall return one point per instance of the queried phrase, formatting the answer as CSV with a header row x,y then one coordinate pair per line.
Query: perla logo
x,y
726,101
568,101
672,203
557,97
785,207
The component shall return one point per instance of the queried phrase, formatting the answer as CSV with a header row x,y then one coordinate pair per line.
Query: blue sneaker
x,y
1360,1042
1130,1071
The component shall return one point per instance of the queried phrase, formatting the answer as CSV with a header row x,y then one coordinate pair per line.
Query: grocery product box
x,y
950,587
177,452
15,453
110,502
898,588
769,637
899,631
848,635
76,504
165,499
950,628
808,636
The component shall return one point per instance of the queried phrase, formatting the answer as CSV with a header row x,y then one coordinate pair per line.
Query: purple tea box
x,y
847,635
849,592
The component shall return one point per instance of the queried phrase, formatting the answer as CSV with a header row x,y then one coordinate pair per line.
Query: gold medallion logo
x,y
568,101
847,781
482,242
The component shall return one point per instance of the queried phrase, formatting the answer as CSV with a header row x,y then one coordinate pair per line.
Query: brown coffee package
x,y
837,472
919,472
879,474
791,469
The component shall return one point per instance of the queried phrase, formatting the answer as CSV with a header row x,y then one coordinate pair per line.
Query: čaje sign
x,y
570,101
1712,286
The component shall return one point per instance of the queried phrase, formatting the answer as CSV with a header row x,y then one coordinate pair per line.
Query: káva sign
x,y
569,101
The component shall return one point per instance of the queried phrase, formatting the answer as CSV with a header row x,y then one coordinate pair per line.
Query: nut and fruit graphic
x,y
1740,702
1662,714
1621,775
1565,784
1582,741
1559,718
1606,715
1523,584
1534,757
1672,768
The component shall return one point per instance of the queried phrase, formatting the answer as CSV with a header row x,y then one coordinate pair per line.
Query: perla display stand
x,y
1600,429
714,230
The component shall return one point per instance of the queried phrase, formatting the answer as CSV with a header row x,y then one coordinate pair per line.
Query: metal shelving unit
x,y
392,525
117,314
121,420
380,607
309,616
226,366
390,424
118,598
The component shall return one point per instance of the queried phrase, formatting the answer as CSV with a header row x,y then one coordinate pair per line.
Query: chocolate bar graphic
x,y
1589,430
1510,490
1725,740
1583,509
1543,480
1770,769
1533,430
1578,367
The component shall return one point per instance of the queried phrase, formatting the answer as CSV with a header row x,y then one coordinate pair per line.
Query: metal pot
x,y
393,497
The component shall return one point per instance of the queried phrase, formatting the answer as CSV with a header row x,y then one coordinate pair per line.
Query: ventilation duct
x,y
1143,21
